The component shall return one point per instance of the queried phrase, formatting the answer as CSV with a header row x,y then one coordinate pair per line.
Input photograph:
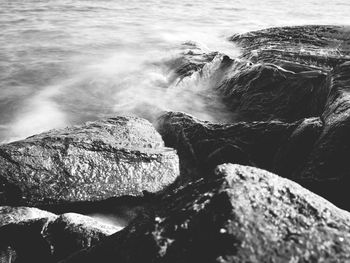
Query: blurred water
x,y
63,62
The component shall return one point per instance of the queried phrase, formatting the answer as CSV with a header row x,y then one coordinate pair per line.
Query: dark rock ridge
x,y
49,239
202,145
239,214
263,92
314,46
281,73
112,157
327,170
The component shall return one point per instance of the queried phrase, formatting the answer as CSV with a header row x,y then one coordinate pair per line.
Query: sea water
x,y
64,62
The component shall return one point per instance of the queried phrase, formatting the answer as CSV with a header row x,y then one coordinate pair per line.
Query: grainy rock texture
x,y
240,214
10,214
71,232
45,240
298,76
281,73
113,157
202,145
315,46
263,92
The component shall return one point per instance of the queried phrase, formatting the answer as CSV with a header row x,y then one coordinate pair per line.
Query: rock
x,y
314,46
22,242
71,232
239,214
202,145
293,154
281,73
15,215
112,157
263,92
327,169
51,239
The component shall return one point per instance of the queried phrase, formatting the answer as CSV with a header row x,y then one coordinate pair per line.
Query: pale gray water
x,y
67,61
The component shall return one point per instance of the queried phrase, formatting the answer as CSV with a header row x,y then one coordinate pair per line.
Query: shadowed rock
x,y
240,214
263,92
71,232
10,217
327,170
281,73
202,145
98,160
45,240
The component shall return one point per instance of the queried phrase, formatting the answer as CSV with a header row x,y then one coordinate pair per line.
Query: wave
x,y
130,82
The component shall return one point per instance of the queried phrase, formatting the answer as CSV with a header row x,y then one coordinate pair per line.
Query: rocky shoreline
x,y
264,188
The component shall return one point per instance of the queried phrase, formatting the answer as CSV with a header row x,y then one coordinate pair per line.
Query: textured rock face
x,y
327,167
113,157
315,46
9,215
45,240
298,76
203,145
240,214
71,232
281,73
263,92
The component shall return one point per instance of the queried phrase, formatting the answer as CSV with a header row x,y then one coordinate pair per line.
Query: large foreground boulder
x,y
239,214
263,92
112,157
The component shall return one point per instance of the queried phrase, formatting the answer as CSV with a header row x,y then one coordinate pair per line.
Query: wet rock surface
x,y
327,169
281,73
113,157
239,214
263,92
314,46
202,145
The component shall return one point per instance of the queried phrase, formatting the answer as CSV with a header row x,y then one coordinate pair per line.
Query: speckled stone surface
x,y
239,214
112,157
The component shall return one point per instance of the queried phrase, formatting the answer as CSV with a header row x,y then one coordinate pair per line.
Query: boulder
x,y
45,240
202,145
239,214
15,215
97,160
281,72
263,92
71,232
